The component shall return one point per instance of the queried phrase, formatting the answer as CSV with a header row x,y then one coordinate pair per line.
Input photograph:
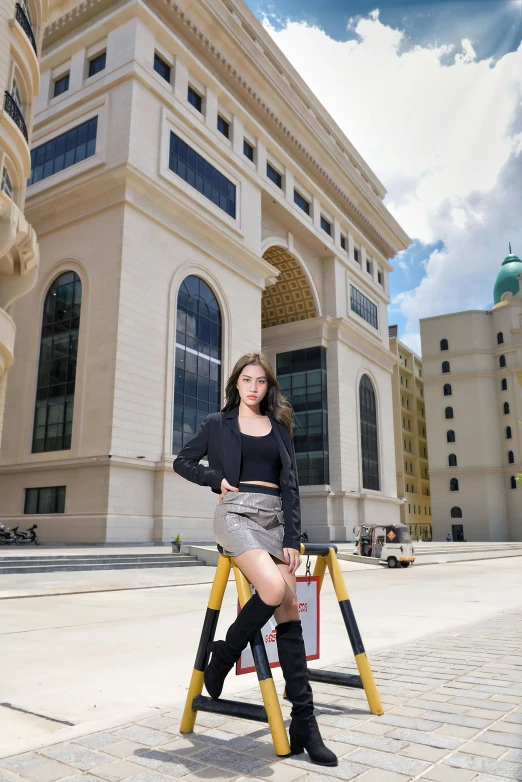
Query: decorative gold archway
x,y
291,298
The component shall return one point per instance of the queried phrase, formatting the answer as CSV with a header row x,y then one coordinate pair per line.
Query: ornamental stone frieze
x,y
18,253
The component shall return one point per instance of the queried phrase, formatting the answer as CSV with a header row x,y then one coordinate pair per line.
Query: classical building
x,y
411,444
21,26
193,201
473,377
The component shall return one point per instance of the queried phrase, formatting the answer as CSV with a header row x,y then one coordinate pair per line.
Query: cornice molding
x,y
89,8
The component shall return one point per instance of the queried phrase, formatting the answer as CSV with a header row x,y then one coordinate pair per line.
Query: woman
x,y
257,521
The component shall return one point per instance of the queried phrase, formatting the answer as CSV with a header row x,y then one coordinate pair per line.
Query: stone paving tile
x,y
424,737
80,757
514,755
337,721
97,740
210,773
378,775
5,777
230,740
229,760
145,776
147,736
502,739
114,772
409,722
489,778
482,749
508,727
123,749
423,752
457,719
493,767
485,706
358,739
458,731
345,770
445,774
49,772
166,762
397,763
375,728
20,763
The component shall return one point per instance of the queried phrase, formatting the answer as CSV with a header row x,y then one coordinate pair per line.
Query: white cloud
x,y
440,133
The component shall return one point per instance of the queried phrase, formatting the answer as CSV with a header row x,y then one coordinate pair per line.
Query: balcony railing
x,y
25,24
16,115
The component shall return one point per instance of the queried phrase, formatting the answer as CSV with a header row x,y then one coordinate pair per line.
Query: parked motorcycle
x,y
28,536
7,536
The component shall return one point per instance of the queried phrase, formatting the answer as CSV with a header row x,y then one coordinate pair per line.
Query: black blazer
x,y
219,438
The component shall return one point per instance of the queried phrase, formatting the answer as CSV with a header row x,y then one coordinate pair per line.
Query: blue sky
x,y
431,95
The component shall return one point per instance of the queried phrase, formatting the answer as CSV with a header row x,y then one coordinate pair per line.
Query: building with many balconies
x,y
193,201
21,27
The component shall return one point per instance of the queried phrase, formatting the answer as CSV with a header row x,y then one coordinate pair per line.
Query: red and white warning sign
x,y
308,598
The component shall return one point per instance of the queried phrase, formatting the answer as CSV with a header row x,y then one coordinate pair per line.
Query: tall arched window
x,y
447,389
511,457
445,367
503,385
454,484
456,513
450,436
449,412
502,361
452,460
513,482
197,385
444,344
500,338
57,365
369,440
506,408
508,433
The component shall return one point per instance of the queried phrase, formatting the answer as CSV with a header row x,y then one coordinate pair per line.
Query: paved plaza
x,y
452,714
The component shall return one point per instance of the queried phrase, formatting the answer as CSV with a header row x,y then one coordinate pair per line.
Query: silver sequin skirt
x,y
247,520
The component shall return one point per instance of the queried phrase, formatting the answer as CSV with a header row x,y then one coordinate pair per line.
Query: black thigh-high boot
x,y
254,614
304,731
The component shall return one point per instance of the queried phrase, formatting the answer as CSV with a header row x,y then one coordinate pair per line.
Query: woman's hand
x,y
225,486
292,559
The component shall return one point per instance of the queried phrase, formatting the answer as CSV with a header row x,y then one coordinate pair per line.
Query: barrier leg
x,y
207,635
368,682
264,675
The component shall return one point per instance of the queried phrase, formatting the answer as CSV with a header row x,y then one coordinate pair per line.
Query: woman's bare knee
x,y
262,572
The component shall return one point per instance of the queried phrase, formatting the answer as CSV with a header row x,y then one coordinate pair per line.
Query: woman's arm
x,y
187,464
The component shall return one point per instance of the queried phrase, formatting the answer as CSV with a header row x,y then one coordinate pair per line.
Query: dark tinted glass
x,y
363,307
248,150
194,98
223,126
97,64
326,226
63,151
46,499
343,242
369,439
61,85
161,67
301,202
274,175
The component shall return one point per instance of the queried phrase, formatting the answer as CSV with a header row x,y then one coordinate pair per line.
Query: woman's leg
x,y
261,571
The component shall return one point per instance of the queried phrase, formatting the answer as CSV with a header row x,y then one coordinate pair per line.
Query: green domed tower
x,y
507,277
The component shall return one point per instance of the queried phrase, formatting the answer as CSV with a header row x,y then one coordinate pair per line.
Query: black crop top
x,y
260,459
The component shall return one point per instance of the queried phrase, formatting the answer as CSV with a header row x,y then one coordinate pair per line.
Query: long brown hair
x,y
274,401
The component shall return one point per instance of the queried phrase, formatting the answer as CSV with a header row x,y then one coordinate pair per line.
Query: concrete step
x,y
13,565
86,558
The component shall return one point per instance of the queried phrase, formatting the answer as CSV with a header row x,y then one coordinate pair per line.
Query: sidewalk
x,y
453,714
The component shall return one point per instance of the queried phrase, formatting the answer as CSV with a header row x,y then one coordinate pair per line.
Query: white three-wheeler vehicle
x,y
390,543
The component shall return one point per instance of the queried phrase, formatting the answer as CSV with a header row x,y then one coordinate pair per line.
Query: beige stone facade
x,y
21,26
294,254
411,443
476,497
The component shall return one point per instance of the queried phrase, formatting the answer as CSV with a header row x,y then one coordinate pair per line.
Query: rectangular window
x,y
302,375
248,150
356,254
343,242
363,307
301,202
368,267
64,151
161,67
46,499
7,186
223,126
326,226
198,172
97,64
379,278
195,99
274,175
61,85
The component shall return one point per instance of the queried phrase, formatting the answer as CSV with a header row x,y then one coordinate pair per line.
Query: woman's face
x,y
252,385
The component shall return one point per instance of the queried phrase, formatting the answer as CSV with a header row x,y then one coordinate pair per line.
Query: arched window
x,y
500,338
369,441
444,344
456,513
454,484
445,367
503,385
508,433
513,482
506,408
502,361
449,412
450,436
452,460
197,388
447,389
57,365
511,457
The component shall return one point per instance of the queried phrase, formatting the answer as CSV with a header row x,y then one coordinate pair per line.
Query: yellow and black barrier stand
x,y
270,712
327,558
